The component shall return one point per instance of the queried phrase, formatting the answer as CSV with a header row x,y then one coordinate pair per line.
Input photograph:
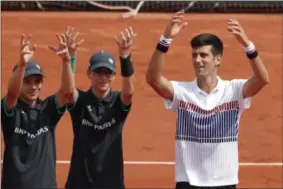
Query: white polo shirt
x,y
207,127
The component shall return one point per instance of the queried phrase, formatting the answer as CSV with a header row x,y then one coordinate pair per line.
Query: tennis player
x,y
98,118
208,108
29,123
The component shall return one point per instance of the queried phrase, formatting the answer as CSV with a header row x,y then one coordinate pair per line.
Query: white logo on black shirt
x,y
89,108
110,61
31,135
99,127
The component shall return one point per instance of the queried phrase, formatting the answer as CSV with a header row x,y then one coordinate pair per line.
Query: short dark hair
x,y
208,39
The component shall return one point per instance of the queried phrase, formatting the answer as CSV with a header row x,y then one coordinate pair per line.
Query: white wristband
x,y
164,41
250,48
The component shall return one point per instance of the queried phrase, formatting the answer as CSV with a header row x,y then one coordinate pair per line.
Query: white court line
x,y
269,164
173,163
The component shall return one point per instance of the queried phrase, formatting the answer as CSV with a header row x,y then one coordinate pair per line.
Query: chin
x,y
30,98
200,74
103,89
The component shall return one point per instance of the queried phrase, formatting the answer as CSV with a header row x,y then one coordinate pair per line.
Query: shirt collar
x,y
218,87
106,99
25,106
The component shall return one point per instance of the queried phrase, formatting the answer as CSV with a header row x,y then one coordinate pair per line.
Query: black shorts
x,y
186,185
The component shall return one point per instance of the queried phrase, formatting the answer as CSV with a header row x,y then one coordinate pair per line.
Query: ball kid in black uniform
x,y
98,117
28,123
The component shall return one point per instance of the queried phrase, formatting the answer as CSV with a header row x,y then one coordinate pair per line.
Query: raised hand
x,y
71,37
125,41
62,51
176,25
27,51
236,29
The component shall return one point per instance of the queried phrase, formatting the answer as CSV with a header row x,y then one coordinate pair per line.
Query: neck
x,y
100,94
207,83
31,103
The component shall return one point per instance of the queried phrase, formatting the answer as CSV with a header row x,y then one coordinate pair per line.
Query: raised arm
x,y
73,45
154,75
260,76
67,79
16,80
125,42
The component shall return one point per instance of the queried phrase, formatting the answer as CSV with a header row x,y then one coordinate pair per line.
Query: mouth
x,y
199,67
102,83
33,92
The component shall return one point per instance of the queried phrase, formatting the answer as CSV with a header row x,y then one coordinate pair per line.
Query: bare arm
x,y
258,81
155,79
67,79
67,84
127,89
125,42
16,80
154,75
260,76
73,46
14,86
68,93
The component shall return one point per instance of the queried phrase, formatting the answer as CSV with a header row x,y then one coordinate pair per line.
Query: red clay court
x,y
149,131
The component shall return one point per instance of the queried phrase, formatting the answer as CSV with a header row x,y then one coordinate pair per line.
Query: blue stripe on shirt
x,y
207,126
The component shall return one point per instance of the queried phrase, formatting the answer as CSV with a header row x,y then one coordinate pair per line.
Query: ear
x,y
88,73
218,59
41,79
112,78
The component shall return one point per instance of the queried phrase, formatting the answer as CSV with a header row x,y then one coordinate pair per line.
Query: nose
x,y
198,59
104,76
33,86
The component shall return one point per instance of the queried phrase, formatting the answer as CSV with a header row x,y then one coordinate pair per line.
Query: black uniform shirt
x,y
30,155
97,158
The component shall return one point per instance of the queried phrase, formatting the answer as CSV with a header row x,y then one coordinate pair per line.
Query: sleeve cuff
x,y
71,106
172,105
7,112
127,108
60,110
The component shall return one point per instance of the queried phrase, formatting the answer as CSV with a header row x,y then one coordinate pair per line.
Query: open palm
x,y
176,25
62,50
71,39
26,51
235,28
125,41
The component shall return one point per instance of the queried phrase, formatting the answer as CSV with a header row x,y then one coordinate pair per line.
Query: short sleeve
x,y
6,116
123,107
54,110
75,108
121,110
244,103
173,105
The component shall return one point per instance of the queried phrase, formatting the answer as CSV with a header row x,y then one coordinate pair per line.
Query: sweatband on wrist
x,y
163,44
73,63
251,51
127,68
250,48
252,55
